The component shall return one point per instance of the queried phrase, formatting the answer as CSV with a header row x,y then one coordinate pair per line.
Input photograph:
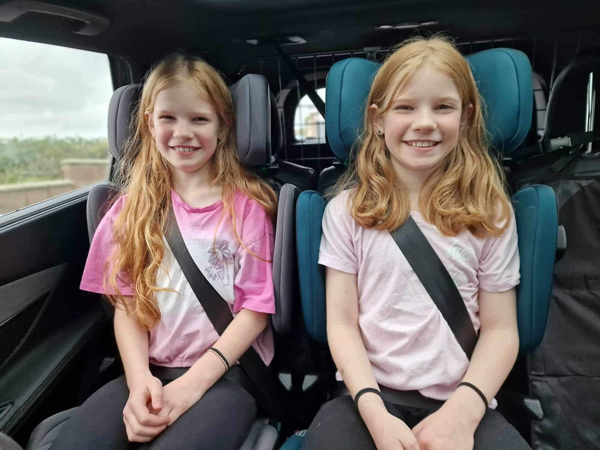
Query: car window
x,y
53,113
309,125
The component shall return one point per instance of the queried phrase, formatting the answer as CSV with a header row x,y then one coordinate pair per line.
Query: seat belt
x,y
268,393
437,281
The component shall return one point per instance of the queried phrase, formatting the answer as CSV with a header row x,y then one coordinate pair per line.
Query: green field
x,y
38,159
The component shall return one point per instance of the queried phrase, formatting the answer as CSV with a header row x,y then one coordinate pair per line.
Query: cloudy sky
x,y
48,90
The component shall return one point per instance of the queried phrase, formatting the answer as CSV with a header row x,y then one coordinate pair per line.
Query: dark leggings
x,y
220,420
338,425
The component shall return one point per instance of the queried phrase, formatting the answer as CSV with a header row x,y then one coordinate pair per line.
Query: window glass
x,y
309,125
53,120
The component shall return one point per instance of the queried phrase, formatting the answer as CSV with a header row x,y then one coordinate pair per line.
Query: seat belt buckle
x,y
559,144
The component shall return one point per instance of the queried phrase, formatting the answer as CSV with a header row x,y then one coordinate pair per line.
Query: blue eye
x,y
403,107
445,106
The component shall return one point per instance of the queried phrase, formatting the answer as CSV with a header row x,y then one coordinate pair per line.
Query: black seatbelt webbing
x,y
437,281
268,392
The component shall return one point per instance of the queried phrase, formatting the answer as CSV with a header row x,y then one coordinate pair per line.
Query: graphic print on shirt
x,y
218,256
459,255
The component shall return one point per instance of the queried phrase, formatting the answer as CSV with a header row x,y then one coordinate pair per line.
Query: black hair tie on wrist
x,y
476,389
366,391
220,355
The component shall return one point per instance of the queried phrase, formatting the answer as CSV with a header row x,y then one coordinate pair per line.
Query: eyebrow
x,y
441,99
195,113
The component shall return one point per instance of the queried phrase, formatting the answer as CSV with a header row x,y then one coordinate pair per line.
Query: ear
x,y
467,113
150,122
376,120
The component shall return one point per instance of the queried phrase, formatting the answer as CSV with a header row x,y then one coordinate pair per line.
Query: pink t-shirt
x,y
184,332
408,341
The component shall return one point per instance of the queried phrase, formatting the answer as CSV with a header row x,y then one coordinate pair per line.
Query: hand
x,y
388,432
453,425
179,396
140,413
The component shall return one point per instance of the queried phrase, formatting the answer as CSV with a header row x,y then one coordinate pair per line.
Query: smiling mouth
x,y
184,149
421,144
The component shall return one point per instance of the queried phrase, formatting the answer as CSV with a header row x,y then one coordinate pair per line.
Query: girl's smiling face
x,y
422,125
185,126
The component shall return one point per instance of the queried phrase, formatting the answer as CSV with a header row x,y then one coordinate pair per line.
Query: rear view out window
x,y
53,113
309,125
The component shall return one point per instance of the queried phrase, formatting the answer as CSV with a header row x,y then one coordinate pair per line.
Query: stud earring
x,y
379,132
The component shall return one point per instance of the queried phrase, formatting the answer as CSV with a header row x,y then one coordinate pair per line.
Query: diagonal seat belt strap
x,y
437,281
267,391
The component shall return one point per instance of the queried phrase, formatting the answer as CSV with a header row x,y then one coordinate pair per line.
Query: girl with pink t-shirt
x,y
422,154
181,156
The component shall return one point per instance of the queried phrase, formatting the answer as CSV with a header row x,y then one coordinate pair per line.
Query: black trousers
x,y
221,420
338,425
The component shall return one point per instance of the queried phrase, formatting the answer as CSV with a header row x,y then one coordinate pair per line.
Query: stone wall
x,y
76,172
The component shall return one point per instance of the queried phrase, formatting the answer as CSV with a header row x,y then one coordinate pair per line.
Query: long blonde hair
x,y
145,177
466,191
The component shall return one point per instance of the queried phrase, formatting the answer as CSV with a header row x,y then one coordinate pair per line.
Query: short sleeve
x,y
337,243
499,265
254,278
97,266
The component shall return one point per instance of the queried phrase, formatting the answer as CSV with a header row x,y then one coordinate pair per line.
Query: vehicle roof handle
x,y
94,24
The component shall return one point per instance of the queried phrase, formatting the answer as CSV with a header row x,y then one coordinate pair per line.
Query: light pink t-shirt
x,y
184,332
408,341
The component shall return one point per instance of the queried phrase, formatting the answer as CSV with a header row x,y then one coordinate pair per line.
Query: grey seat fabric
x,y
252,100
262,436
46,432
285,273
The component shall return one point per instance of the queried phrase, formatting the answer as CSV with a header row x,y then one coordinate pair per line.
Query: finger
x,y
143,416
155,390
409,442
135,433
174,415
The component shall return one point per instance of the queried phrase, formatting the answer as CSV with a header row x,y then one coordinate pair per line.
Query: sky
x,y
47,90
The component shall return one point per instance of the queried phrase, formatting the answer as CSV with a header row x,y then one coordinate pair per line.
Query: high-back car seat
x,y
252,100
504,81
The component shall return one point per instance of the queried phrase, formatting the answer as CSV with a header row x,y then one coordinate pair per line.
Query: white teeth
x,y
421,143
184,149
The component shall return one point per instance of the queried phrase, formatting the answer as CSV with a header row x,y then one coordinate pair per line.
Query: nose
x,y
424,121
182,130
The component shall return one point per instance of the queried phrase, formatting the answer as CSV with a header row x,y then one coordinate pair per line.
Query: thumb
x,y
156,394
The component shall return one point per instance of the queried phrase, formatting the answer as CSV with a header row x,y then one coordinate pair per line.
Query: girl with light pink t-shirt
x,y
182,388
422,153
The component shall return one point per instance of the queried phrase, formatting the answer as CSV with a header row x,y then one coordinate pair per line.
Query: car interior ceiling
x,y
142,32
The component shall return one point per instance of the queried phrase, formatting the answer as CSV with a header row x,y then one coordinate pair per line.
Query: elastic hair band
x,y
221,357
476,389
366,391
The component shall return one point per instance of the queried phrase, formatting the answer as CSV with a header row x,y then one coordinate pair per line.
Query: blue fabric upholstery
x,y
503,77
536,213
348,85
294,442
309,213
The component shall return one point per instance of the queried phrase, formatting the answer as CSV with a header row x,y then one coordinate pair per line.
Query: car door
x,y
53,148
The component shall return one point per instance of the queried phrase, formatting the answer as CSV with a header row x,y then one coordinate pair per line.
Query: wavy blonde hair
x,y
466,191
144,177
